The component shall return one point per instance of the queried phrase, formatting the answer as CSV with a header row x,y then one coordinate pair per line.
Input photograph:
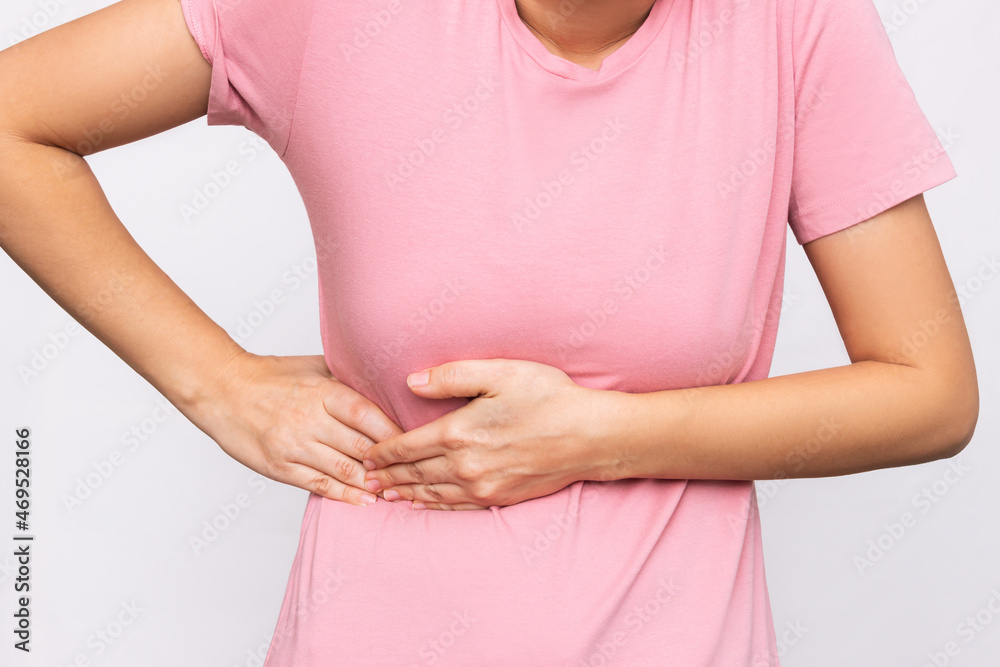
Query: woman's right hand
x,y
290,420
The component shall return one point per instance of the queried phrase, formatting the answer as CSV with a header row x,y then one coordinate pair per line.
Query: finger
x,y
425,471
318,482
417,495
328,460
355,410
342,438
423,442
465,377
442,494
445,507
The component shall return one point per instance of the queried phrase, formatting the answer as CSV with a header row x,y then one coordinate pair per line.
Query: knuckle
x,y
275,462
298,392
270,469
321,484
454,435
398,452
418,473
357,410
467,470
291,449
435,493
357,445
479,491
479,436
343,469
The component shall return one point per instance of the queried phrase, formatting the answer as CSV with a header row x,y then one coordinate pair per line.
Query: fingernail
x,y
368,463
367,499
418,379
418,506
373,485
391,494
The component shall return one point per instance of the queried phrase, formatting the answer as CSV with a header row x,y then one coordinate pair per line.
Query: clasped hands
x,y
528,431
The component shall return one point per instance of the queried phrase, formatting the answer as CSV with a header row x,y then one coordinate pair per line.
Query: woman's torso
x,y
471,198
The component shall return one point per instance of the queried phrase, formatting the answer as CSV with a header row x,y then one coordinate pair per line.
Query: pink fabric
x,y
474,196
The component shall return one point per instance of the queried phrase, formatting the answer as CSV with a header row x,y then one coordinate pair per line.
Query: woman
x,y
573,216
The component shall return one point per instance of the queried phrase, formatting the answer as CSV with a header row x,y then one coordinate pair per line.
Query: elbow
x,y
959,417
958,442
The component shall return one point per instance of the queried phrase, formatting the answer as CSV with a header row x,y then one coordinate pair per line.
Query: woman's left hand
x,y
529,431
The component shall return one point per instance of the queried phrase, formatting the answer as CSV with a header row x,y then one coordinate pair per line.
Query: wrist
x,y
206,387
609,454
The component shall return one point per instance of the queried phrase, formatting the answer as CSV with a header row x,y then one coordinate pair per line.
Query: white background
x,y
128,541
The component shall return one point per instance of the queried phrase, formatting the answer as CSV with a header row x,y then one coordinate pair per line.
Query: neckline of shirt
x,y
617,61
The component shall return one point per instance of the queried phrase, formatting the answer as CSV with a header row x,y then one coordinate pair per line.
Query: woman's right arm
x,y
66,93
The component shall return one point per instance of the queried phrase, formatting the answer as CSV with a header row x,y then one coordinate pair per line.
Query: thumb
x,y
468,377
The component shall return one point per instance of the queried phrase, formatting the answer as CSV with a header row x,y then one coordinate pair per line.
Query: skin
x,y
530,430
583,31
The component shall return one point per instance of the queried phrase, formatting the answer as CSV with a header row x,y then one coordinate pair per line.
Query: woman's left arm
x,y
910,395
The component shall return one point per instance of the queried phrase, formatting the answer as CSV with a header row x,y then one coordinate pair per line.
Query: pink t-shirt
x,y
472,195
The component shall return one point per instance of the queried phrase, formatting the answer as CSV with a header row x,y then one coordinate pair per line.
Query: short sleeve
x,y
255,48
861,142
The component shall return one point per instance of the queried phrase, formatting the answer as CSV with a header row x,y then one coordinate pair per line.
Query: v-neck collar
x,y
618,60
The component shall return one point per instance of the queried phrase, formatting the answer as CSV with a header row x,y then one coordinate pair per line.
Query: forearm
x,y
835,421
58,226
